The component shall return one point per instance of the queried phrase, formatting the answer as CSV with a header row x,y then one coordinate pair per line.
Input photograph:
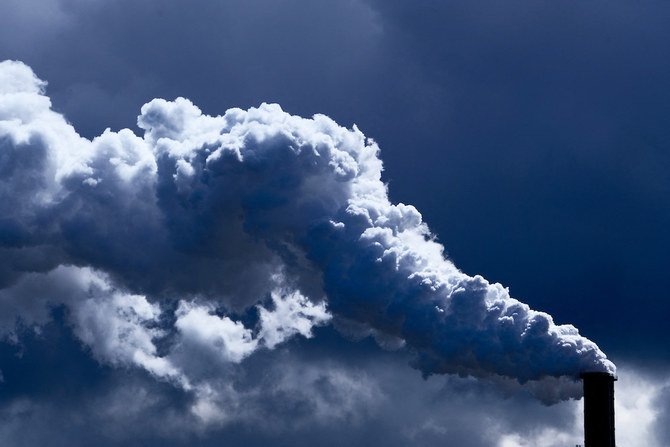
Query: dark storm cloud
x,y
553,115
134,51
556,116
532,136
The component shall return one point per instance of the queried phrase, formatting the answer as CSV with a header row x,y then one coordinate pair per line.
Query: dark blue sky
x,y
533,136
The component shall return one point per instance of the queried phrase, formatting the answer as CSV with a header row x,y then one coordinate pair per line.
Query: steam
x,y
217,216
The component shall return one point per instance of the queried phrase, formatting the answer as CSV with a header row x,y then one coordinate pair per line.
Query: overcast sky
x,y
533,137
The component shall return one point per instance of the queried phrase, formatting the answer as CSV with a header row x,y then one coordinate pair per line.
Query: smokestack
x,y
598,409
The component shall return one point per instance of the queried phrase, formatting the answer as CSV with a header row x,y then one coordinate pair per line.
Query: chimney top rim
x,y
594,374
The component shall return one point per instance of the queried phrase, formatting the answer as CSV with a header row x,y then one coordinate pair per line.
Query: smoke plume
x,y
174,236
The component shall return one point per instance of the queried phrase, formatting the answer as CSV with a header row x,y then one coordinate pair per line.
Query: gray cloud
x,y
298,401
306,393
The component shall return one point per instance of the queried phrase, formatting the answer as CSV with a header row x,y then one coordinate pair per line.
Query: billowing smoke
x,y
221,235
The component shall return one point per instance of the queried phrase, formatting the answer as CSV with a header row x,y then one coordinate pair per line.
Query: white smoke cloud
x,y
219,214
118,329
200,328
292,314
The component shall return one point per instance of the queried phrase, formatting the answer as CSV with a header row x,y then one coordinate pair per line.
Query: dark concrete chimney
x,y
598,409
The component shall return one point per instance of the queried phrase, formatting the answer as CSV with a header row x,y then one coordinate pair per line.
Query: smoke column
x,y
252,209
